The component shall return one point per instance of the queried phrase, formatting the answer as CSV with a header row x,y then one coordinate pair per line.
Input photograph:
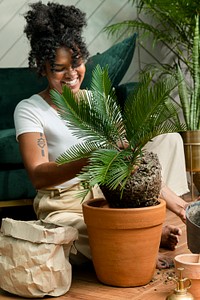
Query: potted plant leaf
x,y
175,27
169,24
113,139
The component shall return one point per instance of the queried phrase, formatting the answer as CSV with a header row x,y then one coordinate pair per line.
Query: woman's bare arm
x,y
43,174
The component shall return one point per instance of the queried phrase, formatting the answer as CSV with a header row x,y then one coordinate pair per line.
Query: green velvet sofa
x,y
19,83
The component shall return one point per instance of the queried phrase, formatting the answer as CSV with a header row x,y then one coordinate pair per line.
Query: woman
x,y
58,52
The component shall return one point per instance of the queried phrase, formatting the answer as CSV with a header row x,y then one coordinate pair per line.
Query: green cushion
x,y
118,58
123,90
16,84
9,148
15,184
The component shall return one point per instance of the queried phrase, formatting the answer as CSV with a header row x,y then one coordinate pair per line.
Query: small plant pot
x,y
193,227
191,265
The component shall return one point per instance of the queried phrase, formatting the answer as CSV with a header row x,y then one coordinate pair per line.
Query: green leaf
x,y
96,118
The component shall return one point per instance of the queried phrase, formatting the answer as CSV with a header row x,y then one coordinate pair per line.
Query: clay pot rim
x,y
179,256
106,207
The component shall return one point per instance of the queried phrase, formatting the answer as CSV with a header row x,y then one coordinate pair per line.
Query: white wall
x,y
14,45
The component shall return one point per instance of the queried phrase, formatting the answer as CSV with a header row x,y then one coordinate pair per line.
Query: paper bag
x,y
34,258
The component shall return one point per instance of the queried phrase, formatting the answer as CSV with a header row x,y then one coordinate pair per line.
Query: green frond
x,y
129,27
101,82
94,114
144,120
78,151
109,167
104,97
97,118
83,117
73,112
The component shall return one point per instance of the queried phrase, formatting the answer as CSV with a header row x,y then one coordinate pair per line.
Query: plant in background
x,y
176,25
113,139
171,22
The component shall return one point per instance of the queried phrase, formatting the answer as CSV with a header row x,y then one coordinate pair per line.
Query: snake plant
x,y
189,92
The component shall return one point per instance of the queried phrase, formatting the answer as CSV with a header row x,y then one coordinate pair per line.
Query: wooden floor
x,y
85,285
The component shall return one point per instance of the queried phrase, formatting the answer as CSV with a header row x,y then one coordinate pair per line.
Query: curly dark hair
x,y
52,26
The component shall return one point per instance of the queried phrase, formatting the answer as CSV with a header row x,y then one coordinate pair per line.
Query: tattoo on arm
x,y
41,143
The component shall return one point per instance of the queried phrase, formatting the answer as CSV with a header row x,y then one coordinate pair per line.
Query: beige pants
x,y
170,151
65,209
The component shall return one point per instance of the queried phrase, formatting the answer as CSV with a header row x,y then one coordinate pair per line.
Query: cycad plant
x,y
113,139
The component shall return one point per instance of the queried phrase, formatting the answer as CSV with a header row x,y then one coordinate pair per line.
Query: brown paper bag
x,y
34,258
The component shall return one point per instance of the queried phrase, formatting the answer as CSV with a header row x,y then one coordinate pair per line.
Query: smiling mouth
x,y
71,82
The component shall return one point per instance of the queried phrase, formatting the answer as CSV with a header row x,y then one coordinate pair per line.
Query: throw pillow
x,y
118,58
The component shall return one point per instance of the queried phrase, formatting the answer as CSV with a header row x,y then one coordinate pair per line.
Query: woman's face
x,y
63,73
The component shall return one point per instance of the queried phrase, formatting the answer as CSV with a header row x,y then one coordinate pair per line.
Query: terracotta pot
x,y
124,242
191,265
193,227
191,140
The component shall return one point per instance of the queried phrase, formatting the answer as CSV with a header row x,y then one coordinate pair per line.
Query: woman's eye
x,y
58,70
